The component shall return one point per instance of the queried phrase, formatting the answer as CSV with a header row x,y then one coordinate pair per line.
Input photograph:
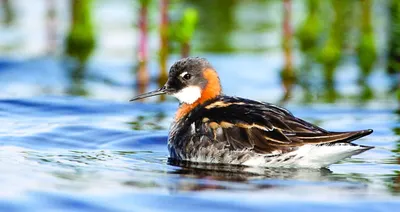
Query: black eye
x,y
187,76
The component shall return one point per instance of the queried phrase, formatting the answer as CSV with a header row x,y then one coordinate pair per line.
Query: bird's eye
x,y
187,76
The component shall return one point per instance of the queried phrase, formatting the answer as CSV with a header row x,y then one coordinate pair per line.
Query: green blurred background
x,y
321,51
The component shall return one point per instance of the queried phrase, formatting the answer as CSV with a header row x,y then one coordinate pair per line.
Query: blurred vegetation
x,y
164,46
308,35
51,26
287,73
142,75
394,37
183,30
310,29
217,23
332,31
366,49
327,34
332,49
8,12
80,43
393,63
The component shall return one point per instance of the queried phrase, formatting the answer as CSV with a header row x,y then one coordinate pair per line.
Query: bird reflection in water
x,y
240,177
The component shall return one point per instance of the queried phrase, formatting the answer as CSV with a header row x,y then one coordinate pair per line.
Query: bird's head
x,y
191,80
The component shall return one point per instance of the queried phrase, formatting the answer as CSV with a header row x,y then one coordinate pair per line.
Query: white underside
x,y
310,156
307,156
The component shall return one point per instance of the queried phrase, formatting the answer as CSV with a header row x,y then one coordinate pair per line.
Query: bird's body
x,y
240,131
213,128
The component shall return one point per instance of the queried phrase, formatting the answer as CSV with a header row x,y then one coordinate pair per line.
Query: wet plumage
x,y
214,128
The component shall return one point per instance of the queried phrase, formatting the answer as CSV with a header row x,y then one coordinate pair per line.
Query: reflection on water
x,y
114,161
77,75
149,122
394,182
245,173
84,170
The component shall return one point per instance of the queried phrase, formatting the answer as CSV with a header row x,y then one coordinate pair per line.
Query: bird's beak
x,y
160,91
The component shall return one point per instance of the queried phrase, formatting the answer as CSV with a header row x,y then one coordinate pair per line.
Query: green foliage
x,y
217,22
394,37
183,30
366,52
80,41
366,49
145,3
330,53
398,94
8,12
329,56
188,25
310,30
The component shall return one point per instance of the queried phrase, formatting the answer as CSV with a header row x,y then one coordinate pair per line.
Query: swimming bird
x,y
211,127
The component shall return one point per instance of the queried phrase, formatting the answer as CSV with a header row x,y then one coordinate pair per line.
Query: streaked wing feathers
x,y
265,128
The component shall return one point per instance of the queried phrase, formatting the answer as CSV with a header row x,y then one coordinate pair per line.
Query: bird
x,y
210,127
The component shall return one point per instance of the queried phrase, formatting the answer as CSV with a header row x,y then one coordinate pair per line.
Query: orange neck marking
x,y
212,90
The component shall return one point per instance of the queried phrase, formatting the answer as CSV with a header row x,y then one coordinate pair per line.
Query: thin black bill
x,y
149,94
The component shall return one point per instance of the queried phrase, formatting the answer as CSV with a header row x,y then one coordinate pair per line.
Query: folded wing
x,y
262,127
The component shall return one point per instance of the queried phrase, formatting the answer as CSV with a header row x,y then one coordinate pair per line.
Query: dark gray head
x,y
187,80
187,71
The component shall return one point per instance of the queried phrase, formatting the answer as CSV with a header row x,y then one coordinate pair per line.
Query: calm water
x,y
62,152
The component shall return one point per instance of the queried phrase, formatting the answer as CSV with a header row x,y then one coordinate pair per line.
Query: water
x,y
73,153
76,153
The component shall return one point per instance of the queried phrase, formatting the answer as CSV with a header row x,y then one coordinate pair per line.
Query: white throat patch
x,y
189,94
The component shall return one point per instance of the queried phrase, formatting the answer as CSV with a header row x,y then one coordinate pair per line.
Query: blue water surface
x,y
102,153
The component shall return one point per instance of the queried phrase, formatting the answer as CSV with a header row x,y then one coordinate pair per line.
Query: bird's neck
x,y
210,91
